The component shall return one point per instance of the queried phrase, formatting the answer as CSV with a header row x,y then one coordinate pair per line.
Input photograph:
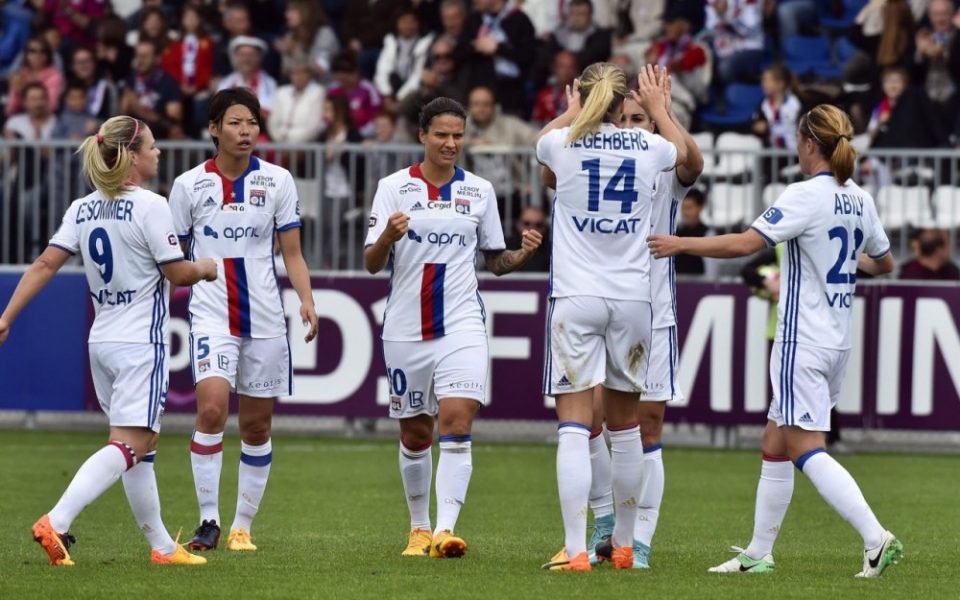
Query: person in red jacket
x,y
189,61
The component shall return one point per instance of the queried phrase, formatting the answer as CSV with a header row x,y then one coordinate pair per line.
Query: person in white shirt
x,y
246,56
600,289
403,57
125,236
428,221
831,228
230,207
295,117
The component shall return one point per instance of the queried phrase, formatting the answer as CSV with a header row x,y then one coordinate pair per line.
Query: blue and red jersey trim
x,y
238,297
431,301
434,192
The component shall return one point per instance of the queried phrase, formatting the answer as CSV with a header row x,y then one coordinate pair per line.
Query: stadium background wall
x,y
904,372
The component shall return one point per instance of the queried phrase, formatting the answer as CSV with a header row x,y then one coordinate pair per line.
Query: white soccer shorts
x,y
131,382
255,367
425,372
806,384
597,340
662,373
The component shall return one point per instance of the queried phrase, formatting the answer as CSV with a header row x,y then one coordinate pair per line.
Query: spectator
x,y
189,61
365,25
37,122
692,225
337,188
937,57
796,16
236,22
135,18
75,122
636,23
381,164
905,117
403,57
295,117
883,30
779,109
496,50
362,97
153,26
14,32
487,127
552,99
438,78
532,217
687,62
151,95
625,61
37,67
309,36
247,53
931,257
114,56
75,19
453,17
580,35
102,96
385,129
735,31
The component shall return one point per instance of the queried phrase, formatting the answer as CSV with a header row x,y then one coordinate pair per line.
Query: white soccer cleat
x,y
741,563
876,560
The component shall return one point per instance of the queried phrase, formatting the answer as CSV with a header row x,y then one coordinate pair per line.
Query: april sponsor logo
x,y
607,226
258,197
412,235
232,233
264,181
203,184
210,232
409,188
443,239
462,206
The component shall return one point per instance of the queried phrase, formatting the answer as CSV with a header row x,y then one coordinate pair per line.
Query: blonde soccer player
x,y
126,238
230,207
831,228
600,316
428,221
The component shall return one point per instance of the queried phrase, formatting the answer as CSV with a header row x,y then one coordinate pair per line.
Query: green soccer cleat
x,y
742,563
876,560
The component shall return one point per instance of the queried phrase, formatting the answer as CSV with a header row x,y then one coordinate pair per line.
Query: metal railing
x,y
336,184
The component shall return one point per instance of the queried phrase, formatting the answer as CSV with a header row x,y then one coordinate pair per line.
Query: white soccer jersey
x,y
233,222
433,285
667,197
825,226
122,242
601,215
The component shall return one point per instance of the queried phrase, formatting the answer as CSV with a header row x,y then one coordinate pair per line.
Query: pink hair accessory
x,y
136,131
99,138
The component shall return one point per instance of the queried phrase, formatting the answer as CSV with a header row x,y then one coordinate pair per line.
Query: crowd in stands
x,y
358,70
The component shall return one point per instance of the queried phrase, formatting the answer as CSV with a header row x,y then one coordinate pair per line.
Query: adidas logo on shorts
x,y
806,418
564,382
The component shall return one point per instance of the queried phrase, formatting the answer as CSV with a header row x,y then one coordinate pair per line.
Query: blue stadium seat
x,y
741,95
844,50
808,48
845,21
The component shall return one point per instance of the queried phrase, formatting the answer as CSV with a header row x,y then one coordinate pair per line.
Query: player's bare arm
x,y
690,169
299,277
876,266
731,245
650,96
506,261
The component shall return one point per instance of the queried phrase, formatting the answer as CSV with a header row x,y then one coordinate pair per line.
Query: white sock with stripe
x,y
841,491
626,461
416,472
453,477
573,484
254,472
93,478
140,485
774,492
601,484
206,459
651,495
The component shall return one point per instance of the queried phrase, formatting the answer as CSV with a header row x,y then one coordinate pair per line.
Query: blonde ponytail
x,y
106,157
831,129
603,86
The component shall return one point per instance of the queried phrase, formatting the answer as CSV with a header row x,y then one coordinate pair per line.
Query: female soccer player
x,y
600,317
229,208
124,233
429,220
831,228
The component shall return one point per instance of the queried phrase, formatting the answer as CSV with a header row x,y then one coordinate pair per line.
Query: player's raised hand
x,y
573,97
309,316
208,267
649,94
667,84
4,330
662,246
397,226
531,240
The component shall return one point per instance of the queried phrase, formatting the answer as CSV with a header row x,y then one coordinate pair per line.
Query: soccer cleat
x,y
560,562
876,560
641,555
239,541
602,531
57,545
741,563
623,557
206,537
418,543
180,556
447,545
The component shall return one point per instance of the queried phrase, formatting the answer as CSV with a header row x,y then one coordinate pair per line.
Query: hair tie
x,y
136,130
99,138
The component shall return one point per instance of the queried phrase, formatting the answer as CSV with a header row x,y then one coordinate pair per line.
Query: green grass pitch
x,y
333,523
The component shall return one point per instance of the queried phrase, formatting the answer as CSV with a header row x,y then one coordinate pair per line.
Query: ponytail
x,y
832,131
842,160
603,86
106,157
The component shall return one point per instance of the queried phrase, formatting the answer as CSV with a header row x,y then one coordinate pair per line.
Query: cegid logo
x,y
439,205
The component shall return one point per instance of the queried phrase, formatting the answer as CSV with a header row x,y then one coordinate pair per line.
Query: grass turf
x,y
333,523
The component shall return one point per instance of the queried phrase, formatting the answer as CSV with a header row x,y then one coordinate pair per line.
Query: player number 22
x,y
836,274
612,192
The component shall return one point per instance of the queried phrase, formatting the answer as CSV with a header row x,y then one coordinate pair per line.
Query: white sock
x,y
94,477
839,489
651,495
206,458
140,484
573,483
773,499
416,472
626,461
254,472
453,478
601,490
